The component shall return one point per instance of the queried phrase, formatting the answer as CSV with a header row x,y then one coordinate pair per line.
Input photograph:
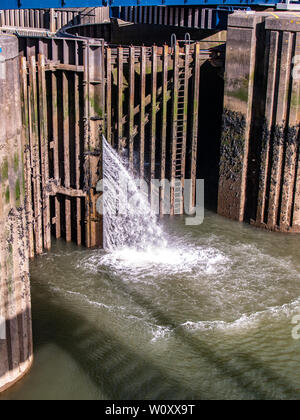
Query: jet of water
x,y
129,221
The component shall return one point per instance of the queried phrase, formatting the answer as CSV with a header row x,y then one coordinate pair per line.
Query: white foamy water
x,y
132,235
171,260
175,313
213,306
237,281
128,218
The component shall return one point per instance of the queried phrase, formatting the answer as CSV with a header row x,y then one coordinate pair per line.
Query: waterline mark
x,y
166,198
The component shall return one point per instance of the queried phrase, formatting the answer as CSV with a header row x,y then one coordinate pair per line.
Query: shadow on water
x,y
115,368
121,373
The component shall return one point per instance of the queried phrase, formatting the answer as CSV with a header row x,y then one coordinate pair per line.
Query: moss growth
x,y
4,170
66,113
18,193
295,100
24,184
16,162
96,107
7,195
240,90
240,94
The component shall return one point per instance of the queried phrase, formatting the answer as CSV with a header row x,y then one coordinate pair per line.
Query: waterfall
x,y
128,219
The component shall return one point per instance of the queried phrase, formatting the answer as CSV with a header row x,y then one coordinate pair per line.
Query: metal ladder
x,y
179,140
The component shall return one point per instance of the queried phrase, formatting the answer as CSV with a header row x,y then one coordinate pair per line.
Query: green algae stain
x,y
240,94
7,195
96,107
16,162
240,89
295,100
18,193
24,185
4,170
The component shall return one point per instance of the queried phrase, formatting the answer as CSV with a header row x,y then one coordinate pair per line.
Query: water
x,y
128,219
200,312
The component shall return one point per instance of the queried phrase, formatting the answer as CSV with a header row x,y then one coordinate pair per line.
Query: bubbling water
x,y
129,221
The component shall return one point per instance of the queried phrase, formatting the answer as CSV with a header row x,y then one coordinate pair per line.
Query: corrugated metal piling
x,y
73,90
150,111
63,116
52,19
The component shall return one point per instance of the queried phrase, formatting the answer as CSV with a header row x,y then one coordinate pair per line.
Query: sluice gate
x,y
145,100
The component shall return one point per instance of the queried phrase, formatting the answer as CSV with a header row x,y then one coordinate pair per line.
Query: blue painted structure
x,y
43,4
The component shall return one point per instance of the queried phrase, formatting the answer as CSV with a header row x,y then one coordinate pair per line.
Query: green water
x,y
208,318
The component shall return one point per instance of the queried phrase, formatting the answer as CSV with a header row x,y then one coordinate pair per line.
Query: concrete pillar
x,y
238,94
259,163
15,307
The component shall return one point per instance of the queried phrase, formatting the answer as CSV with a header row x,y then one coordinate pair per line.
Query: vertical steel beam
x,y
44,144
164,125
35,156
120,100
153,116
142,110
131,104
26,151
174,124
108,95
195,123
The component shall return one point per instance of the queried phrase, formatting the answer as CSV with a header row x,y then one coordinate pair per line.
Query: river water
x,y
208,317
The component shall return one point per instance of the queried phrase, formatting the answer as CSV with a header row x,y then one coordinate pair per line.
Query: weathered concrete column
x,y
15,307
259,164
238,94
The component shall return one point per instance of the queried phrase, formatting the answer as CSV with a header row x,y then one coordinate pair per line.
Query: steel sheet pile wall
x,y
94,31
188,17
62,149
144,99
59,50
152,97
15,306
259,168
53,19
